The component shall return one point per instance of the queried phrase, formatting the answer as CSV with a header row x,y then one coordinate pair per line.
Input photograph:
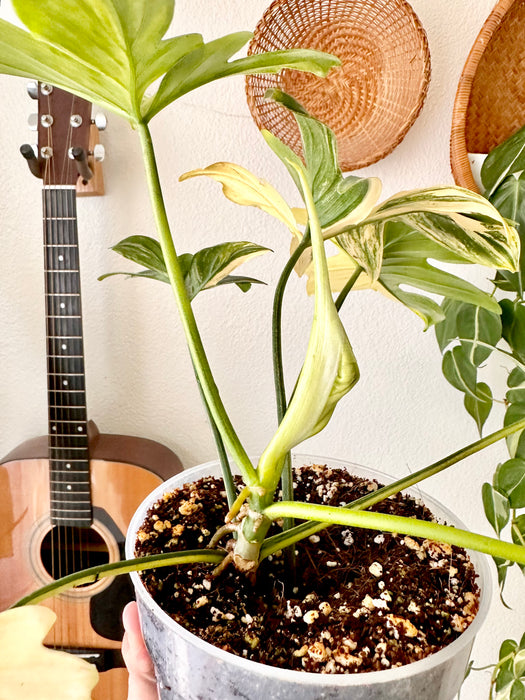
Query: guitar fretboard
x,y
68,441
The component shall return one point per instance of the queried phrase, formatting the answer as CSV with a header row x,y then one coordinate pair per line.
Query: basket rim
x,y
459,159
383,149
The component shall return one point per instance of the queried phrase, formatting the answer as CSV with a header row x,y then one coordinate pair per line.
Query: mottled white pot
x,y
188,668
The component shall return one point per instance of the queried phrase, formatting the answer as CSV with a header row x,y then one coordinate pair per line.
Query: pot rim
x,y
479,560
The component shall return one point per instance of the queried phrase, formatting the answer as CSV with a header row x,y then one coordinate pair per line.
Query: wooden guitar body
x,y
121,476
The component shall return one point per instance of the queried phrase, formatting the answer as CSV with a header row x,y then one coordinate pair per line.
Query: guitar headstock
x,y
65,153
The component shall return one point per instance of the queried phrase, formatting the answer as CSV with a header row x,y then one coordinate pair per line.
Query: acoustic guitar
x,y
66,498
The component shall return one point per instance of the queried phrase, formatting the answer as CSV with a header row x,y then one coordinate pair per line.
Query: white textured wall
x,y
401,416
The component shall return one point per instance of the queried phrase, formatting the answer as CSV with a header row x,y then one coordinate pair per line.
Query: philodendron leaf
x,y
329,370
479,407
496,506
212,266
111,51
518,533
406,263
509,200
339,201
209,267
481,328
28,670
214,62
461,221
459,371
504,160
513,320
515,442
242,187
509,480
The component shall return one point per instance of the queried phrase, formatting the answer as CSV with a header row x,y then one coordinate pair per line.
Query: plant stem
x,y
155,561
278,370
187,317
277,542
348,287
396,523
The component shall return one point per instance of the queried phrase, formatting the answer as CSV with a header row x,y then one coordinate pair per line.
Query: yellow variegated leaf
x,y
462,221
243,187
30,671
330,368
361,211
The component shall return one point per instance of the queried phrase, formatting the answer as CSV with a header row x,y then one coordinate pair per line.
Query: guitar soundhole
x,y
66,550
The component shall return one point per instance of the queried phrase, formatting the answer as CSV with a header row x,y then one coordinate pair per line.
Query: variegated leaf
x,y
205,269
243,187
329,371
111,51
459,220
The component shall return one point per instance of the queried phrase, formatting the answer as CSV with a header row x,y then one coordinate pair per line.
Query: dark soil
x,y
363,600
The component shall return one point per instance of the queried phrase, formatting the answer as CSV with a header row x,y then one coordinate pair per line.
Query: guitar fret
x,y
54,271
54,447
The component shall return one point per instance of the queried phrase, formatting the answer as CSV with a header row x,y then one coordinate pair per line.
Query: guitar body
x,y
120,479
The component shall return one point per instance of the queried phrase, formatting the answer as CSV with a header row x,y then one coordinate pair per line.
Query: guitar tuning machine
x,y
98,153
100,121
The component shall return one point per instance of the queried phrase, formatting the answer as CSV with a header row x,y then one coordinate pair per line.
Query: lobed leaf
x,y
209,267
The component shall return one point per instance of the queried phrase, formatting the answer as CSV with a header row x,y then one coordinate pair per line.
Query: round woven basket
x,y
372,100
490,100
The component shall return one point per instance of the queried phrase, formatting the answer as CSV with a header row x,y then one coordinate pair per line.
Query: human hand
x,y
142,684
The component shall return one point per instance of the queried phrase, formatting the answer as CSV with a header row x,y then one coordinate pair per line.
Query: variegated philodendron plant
x,y
113,53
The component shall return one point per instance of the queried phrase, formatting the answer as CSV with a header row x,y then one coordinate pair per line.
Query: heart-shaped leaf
x,y
496,506
509,480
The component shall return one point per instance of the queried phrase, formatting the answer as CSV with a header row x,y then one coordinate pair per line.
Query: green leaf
x,y
479,408
502,568
513,320
478,325
519,662
211,266
509,200
208,268
459,371
507,158
447,330
515,442
404,265
496,506
213,61
111,51
508,648
142,250
509,480
518,532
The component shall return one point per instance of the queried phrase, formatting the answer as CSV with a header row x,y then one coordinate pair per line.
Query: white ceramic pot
x,y
188,668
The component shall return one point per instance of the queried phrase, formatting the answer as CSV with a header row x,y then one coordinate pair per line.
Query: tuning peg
x,y
98,153
30,154
32,89
100,121
32,121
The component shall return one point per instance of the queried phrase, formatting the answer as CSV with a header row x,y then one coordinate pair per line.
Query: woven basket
x,y
372,100
490,100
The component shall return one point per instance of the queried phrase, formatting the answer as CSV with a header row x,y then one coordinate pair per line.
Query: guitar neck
x,y
70,488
